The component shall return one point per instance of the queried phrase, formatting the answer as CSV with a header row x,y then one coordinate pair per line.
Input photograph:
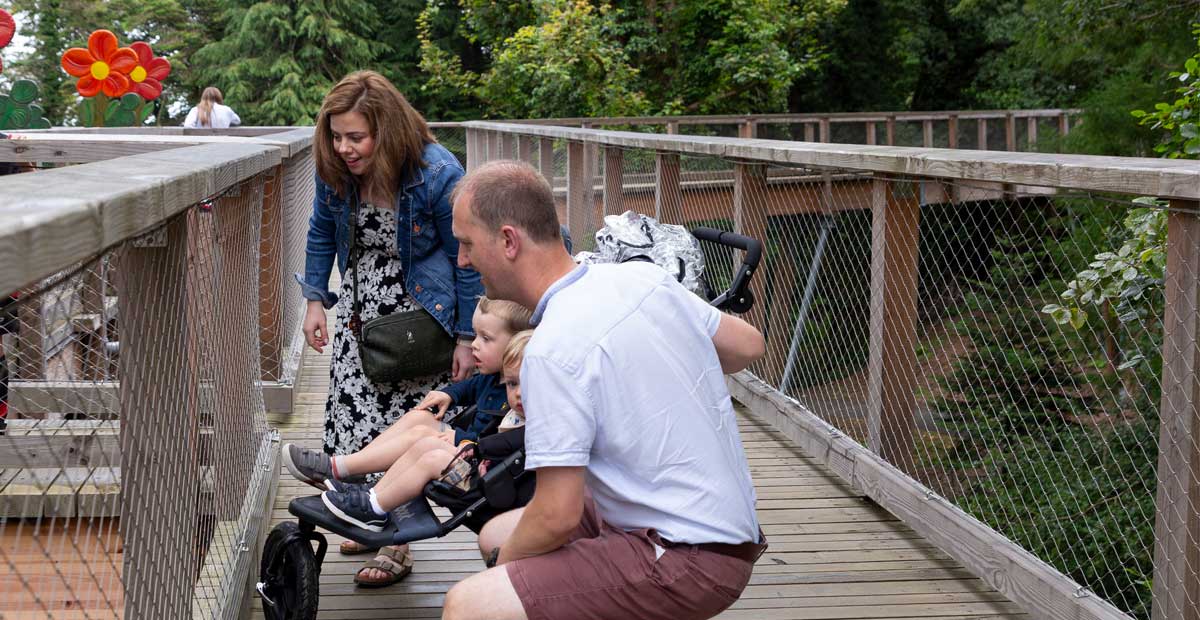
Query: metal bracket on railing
x,y
929,495
243,546
1082,592
156,238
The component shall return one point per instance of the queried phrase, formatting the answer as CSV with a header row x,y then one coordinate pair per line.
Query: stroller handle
x,y
752,246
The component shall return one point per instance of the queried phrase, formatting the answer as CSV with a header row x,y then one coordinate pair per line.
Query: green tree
x,y
277,59
576,58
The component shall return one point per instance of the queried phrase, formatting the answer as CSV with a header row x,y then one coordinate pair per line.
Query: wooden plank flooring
x,y
833,554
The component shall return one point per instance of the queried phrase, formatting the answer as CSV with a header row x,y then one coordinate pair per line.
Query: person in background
x,y
212,112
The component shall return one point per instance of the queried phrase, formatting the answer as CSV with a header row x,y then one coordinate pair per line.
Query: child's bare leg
x,y
416,417
381,454
407,478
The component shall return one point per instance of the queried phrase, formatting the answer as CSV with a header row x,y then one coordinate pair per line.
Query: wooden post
x,y
496,141
270,277
668,192
891,397
952,131
1064,124
891,131
1010,133
1031,131
506,145
546,159
981,137
750,219
823,127
808,132
579,191
525,149
672,127
30,338
927,133
747,129
870,132
159,474
1176,589
614,190
474,149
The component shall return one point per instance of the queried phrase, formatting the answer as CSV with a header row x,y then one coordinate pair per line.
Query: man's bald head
x,y
510,193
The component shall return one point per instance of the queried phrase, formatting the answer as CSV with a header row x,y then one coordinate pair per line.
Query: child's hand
x,y
437,402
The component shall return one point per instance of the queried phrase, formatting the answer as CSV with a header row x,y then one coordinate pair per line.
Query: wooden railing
x,y
590,170
195,239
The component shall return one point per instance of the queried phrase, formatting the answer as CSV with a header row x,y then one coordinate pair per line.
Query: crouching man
x,y
644,505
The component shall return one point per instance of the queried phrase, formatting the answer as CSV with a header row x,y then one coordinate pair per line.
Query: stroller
x,y
290,568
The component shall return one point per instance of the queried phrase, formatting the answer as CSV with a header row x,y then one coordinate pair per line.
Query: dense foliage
x,y
458,59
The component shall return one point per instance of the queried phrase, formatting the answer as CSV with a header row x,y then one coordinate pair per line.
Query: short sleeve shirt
x,y
622,377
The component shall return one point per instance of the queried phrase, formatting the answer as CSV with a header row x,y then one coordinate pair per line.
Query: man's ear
x,y
512,241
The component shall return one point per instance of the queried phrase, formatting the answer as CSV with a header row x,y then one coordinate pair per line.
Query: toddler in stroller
x,y
289,570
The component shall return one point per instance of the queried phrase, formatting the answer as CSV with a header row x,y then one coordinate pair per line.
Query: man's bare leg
x,y
489,594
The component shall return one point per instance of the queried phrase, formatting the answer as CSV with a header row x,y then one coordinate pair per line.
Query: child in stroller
x,y
289,570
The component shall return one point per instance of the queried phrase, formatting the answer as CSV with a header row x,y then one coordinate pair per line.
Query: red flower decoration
x,y
8,27
147,76
103,66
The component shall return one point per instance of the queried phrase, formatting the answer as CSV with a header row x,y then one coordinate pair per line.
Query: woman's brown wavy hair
x,y
398,147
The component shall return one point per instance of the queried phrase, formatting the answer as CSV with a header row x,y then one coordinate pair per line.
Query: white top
x,y
621,376
222,117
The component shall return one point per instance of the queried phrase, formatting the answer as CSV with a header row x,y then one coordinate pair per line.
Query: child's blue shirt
x,y
489,396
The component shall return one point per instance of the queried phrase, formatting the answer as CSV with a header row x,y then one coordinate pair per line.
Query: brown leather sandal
x,y
349,547
397,564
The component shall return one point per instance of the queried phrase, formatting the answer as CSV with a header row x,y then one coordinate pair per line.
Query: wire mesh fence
x,y
1019,367
135,442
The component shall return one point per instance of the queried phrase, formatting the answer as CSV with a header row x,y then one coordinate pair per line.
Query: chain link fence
x,y
1020,367
136,453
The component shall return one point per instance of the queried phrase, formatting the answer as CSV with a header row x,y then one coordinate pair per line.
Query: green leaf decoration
x,y
87,112
17,110
24,92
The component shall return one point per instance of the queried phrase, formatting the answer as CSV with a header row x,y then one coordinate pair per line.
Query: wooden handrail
x,y
1124,175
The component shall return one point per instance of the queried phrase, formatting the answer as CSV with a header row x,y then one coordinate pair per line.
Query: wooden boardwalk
x,y
833,553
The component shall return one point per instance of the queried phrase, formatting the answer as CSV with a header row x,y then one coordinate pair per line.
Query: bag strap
x,y
355,255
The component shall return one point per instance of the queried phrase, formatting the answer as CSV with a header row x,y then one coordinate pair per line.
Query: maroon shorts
x,y
605,572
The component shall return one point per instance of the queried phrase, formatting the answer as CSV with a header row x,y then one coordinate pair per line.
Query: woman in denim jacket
x,y
370,143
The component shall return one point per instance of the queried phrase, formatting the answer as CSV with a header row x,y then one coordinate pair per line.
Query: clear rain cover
x,y
633,236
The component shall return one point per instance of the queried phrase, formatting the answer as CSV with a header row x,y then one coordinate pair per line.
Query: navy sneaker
x,y
354,507
312,466
343,486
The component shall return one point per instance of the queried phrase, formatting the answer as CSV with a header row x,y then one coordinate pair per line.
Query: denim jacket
x,y
488,393
428,250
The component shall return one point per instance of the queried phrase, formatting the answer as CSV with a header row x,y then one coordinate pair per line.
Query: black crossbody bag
x,y
399,346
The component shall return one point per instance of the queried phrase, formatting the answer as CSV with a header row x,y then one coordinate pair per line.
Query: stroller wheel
x,y
288,575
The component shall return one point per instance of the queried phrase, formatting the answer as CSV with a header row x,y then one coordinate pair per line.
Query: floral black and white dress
x,y
357,409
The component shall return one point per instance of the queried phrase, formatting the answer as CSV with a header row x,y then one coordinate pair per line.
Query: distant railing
x,y
154,306
903,295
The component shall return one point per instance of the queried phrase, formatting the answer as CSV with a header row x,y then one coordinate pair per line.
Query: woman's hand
x,y
316,332
437,402
464,362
